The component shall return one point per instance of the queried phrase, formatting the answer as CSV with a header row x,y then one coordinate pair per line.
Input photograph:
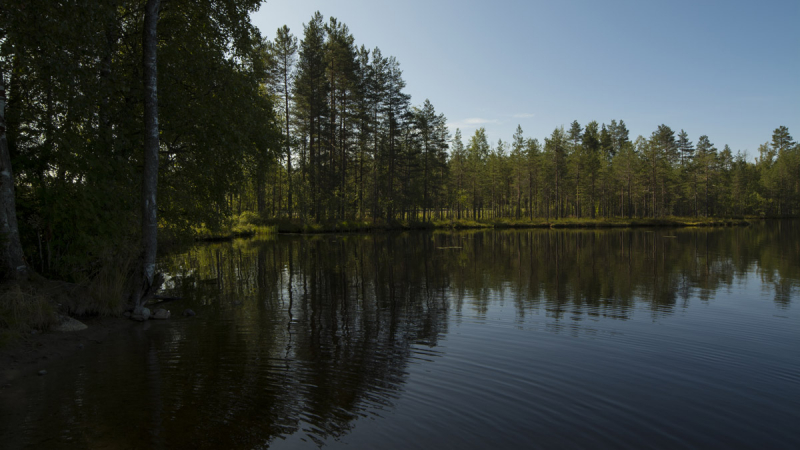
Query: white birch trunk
x,y
151,145
13,260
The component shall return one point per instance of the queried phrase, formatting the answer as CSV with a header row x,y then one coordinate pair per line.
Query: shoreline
x,y
32,352
294,227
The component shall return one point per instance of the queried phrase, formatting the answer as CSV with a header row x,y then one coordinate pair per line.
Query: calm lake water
x,y
492,339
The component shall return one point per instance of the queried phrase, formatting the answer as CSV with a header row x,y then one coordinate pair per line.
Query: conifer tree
x,y
533,164
396,111
311,90
517,160
458,172
592,149
284,50
556,147
707,163
781,140
477,156
685,146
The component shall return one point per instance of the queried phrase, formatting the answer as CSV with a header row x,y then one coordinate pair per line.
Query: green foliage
x,y
346,151
75,127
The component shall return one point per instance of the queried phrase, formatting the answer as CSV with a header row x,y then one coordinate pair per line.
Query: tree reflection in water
x,y
303,336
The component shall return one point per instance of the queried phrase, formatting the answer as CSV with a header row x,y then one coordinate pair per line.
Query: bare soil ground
x,y
34,352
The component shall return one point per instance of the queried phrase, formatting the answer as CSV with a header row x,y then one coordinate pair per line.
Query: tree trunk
x,y
289,202
151,144
13,260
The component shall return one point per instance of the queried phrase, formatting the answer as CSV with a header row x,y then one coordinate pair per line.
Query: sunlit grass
x,y
247,224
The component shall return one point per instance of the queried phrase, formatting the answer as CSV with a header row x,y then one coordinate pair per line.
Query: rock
x,y
42,372
127,314
141,314
80,346
70,324
189,313
161,314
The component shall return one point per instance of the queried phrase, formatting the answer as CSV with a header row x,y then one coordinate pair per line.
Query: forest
x,y
305,128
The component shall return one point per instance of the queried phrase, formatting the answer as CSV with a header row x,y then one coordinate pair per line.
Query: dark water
x,y
491,339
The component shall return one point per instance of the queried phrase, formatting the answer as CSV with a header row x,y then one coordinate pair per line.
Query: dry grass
x,y
22,309
105,291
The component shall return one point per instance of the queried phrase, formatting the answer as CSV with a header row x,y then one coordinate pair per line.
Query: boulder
x,y
189,313
69,324
161,314
141,314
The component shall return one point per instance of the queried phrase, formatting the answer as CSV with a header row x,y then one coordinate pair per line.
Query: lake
x,y
643,338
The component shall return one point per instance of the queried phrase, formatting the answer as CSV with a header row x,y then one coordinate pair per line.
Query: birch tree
x,y
151,144
13,260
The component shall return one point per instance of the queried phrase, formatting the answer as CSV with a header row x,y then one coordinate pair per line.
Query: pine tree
x,y
458,173
782,146
575,134
606,143
556,148
533,164
619,134
311,90
284,50
477,156
626,163
341,68
781,140
429,126
685,147
707,163
517,161
592,149
396,110
577,161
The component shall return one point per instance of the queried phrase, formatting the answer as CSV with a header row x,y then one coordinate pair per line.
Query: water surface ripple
x,y
491,339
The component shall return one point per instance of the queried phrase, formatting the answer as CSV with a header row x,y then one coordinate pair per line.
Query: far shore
x,y
364,226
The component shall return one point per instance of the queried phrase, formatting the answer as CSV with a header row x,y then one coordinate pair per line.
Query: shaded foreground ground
x,y
34,352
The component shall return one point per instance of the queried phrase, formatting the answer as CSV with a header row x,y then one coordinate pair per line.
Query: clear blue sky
x,y
727,69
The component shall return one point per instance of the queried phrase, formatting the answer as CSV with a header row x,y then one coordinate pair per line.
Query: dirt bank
x,y
34,352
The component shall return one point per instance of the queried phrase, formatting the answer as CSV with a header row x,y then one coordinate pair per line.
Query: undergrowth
x,y
23,309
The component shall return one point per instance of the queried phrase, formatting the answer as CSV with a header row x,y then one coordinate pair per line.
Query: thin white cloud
x,y
471,123
524,116
479,121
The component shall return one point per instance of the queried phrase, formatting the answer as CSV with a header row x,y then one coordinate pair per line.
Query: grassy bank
x,y
37,304
24,309
246,225
297,226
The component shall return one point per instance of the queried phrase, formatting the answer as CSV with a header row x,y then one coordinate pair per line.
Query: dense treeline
x,y
313,128
597,171
355,149
75,127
